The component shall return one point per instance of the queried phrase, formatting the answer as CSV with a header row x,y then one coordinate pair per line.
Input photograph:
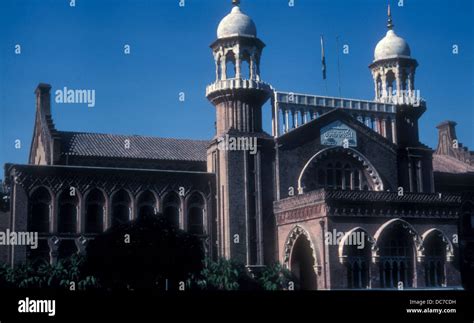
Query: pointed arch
x,y
342,248
121,206
300,257
172,208
397,248
95,210
297,231
435,231
40,209
370,170
354,253
147,203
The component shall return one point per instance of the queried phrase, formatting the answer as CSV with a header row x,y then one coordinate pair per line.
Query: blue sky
x,y
82,47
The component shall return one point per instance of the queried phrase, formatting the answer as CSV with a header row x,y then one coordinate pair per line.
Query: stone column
x,y
383,123
294,119
398,80
384,86
223,68
394,131
376,88
237,64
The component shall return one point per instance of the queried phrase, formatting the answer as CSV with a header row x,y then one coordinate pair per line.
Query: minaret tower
x,y
238,94
393,69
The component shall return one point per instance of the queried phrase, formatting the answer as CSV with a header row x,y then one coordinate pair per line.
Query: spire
x,y
235,2
389,21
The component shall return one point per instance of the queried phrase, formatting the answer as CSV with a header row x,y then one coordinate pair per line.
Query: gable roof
x,y
305,131
141,147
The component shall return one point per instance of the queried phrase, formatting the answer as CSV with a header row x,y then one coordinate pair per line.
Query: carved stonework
x,y
295,233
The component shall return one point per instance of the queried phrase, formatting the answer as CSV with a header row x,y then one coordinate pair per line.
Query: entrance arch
x,y
300,258
302,264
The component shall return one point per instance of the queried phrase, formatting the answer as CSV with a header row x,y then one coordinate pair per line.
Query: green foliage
x,y
274,277
222,274
45,275
226,274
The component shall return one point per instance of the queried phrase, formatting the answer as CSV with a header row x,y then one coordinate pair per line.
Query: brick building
x,y
342,192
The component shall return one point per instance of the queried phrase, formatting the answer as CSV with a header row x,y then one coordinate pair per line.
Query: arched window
x,y
95,210
230,65
66,248
121,208
67,215
390,77
357,245
40,208
245,66
396,256
171,207
339,168
379,86
435,257
146,204
330,175
196,214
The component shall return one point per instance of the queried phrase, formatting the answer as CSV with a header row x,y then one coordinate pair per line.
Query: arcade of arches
x,y
73,217
389,260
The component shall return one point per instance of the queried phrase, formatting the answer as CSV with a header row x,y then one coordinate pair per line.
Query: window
x,y
121,208
196,214
40,206
435,255
95,206
347,177
146,204
67,215
171,207
396,257
357,258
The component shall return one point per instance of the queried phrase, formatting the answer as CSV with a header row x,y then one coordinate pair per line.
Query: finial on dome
x,y
389,21
235,2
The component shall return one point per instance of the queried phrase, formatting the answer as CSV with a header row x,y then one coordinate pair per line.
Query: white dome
x,y
236,24
391,46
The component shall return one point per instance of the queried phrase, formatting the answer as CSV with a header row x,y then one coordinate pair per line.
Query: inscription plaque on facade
x,y
338,134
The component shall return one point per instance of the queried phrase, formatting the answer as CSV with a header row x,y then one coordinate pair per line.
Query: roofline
x,y
12,166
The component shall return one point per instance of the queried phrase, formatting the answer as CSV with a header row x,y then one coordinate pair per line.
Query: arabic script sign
x,y
338,134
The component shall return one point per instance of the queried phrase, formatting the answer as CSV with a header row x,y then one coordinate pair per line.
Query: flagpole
x,y
338,68
323,62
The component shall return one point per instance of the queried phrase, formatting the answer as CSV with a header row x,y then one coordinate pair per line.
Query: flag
x,y
323,58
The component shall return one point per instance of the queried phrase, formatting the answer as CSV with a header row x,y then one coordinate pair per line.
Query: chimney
x,y
446,138
43,98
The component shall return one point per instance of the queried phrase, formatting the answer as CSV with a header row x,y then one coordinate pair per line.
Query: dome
x,y
236,24
391,46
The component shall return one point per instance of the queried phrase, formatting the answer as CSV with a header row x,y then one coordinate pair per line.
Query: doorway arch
x,y
300,258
